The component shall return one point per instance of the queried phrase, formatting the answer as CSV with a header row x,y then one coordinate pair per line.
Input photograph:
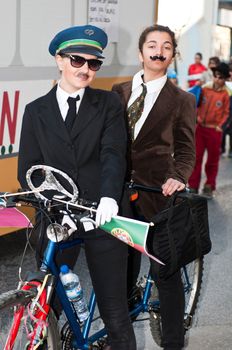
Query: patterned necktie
x,y
135,111
72,111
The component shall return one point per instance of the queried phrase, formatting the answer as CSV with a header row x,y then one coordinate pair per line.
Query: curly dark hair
x,y
157,28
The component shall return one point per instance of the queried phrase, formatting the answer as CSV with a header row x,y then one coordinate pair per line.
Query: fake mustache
x,y
158,57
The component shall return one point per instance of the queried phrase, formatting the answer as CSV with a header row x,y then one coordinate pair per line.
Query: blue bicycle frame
x,y
82,339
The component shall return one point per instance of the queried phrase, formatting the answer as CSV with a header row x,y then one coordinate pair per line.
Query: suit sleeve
x,y
113,150
184,139
29,150
117,88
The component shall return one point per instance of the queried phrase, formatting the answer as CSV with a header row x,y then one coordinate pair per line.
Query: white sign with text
x,y
105,15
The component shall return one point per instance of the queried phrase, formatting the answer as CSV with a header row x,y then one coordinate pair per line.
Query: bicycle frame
x,y
48,264
143,305
82,336
81,333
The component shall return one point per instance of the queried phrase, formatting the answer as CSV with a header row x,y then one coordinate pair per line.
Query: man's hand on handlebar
x,y
106,209
171,186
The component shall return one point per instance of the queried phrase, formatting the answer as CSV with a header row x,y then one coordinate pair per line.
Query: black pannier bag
x,y
180,234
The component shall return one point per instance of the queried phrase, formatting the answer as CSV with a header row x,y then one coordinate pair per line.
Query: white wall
x,y
195,28
27,70
27,27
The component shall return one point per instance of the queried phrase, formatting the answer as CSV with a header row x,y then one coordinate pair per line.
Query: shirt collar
x,y
62,95
152,85
210,85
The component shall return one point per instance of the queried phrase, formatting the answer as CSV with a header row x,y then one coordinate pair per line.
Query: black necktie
x,y
71,115
135,111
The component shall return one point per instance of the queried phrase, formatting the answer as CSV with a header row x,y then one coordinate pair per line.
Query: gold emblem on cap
x,y
89,32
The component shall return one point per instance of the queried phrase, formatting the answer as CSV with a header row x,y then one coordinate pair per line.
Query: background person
x,y
81,131
172,76
161,124
227,127
212,113
195,71
207,76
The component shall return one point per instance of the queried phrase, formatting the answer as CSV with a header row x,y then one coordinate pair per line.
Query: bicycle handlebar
x,y
181,194
14,199
65,208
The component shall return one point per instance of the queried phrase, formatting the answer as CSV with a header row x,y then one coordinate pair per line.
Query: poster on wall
x,y
14,95
105,15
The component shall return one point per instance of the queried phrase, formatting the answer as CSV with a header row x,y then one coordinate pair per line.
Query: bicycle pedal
x,y
102,343
188,322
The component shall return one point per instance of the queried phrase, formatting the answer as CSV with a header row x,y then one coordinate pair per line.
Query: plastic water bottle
x,y
74,292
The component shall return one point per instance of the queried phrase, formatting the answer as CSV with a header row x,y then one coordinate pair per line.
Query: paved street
x,y
212,327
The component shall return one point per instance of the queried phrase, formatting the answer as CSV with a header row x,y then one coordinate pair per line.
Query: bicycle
x,y
27,320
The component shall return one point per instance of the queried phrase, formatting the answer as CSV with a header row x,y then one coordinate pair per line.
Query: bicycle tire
x,y
192,290
15,299
192,281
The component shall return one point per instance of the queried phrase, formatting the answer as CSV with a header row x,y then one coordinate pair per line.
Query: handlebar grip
x,y
135,186
181,194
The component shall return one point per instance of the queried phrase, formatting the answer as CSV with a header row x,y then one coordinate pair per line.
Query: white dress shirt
x,y
62,97
153,89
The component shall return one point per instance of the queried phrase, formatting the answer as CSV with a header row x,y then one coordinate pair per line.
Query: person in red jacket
x,y
213,111
195,71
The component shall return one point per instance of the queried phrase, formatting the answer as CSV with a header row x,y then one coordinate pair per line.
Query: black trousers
x,y
171,292
171,296
107,262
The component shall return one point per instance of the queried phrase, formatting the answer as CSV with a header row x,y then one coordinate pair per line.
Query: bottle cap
x,y
64,269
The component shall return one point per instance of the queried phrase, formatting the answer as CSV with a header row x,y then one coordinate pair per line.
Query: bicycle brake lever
x,y
88,223
87,219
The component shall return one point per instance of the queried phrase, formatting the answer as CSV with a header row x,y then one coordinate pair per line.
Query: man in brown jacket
x,y
161,122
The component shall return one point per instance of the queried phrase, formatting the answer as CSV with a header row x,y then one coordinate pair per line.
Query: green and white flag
x,y
131,232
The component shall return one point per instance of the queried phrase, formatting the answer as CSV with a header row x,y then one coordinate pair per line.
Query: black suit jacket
x,y
93,155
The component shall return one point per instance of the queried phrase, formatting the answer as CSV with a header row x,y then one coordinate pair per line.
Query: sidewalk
x,y
212,324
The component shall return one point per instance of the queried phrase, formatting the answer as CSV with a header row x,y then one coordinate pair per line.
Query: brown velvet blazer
x,y
165,145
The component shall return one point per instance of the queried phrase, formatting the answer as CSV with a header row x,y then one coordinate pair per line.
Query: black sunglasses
x,y
78,61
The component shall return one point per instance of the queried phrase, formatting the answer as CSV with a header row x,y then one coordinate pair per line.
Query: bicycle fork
x,y
36,312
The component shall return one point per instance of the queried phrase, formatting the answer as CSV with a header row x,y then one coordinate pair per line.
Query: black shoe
x,y
207,191
193,190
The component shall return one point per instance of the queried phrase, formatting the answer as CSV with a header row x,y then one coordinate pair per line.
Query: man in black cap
x,y
90,147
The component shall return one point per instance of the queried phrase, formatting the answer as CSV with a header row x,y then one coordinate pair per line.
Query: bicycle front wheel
x,y
17,322
192,279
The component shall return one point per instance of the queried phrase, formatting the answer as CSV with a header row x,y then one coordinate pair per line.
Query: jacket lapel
x,y
51,116
162,108
87,111
126,93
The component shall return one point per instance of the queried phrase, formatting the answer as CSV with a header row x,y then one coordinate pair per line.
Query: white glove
x,y
106,209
